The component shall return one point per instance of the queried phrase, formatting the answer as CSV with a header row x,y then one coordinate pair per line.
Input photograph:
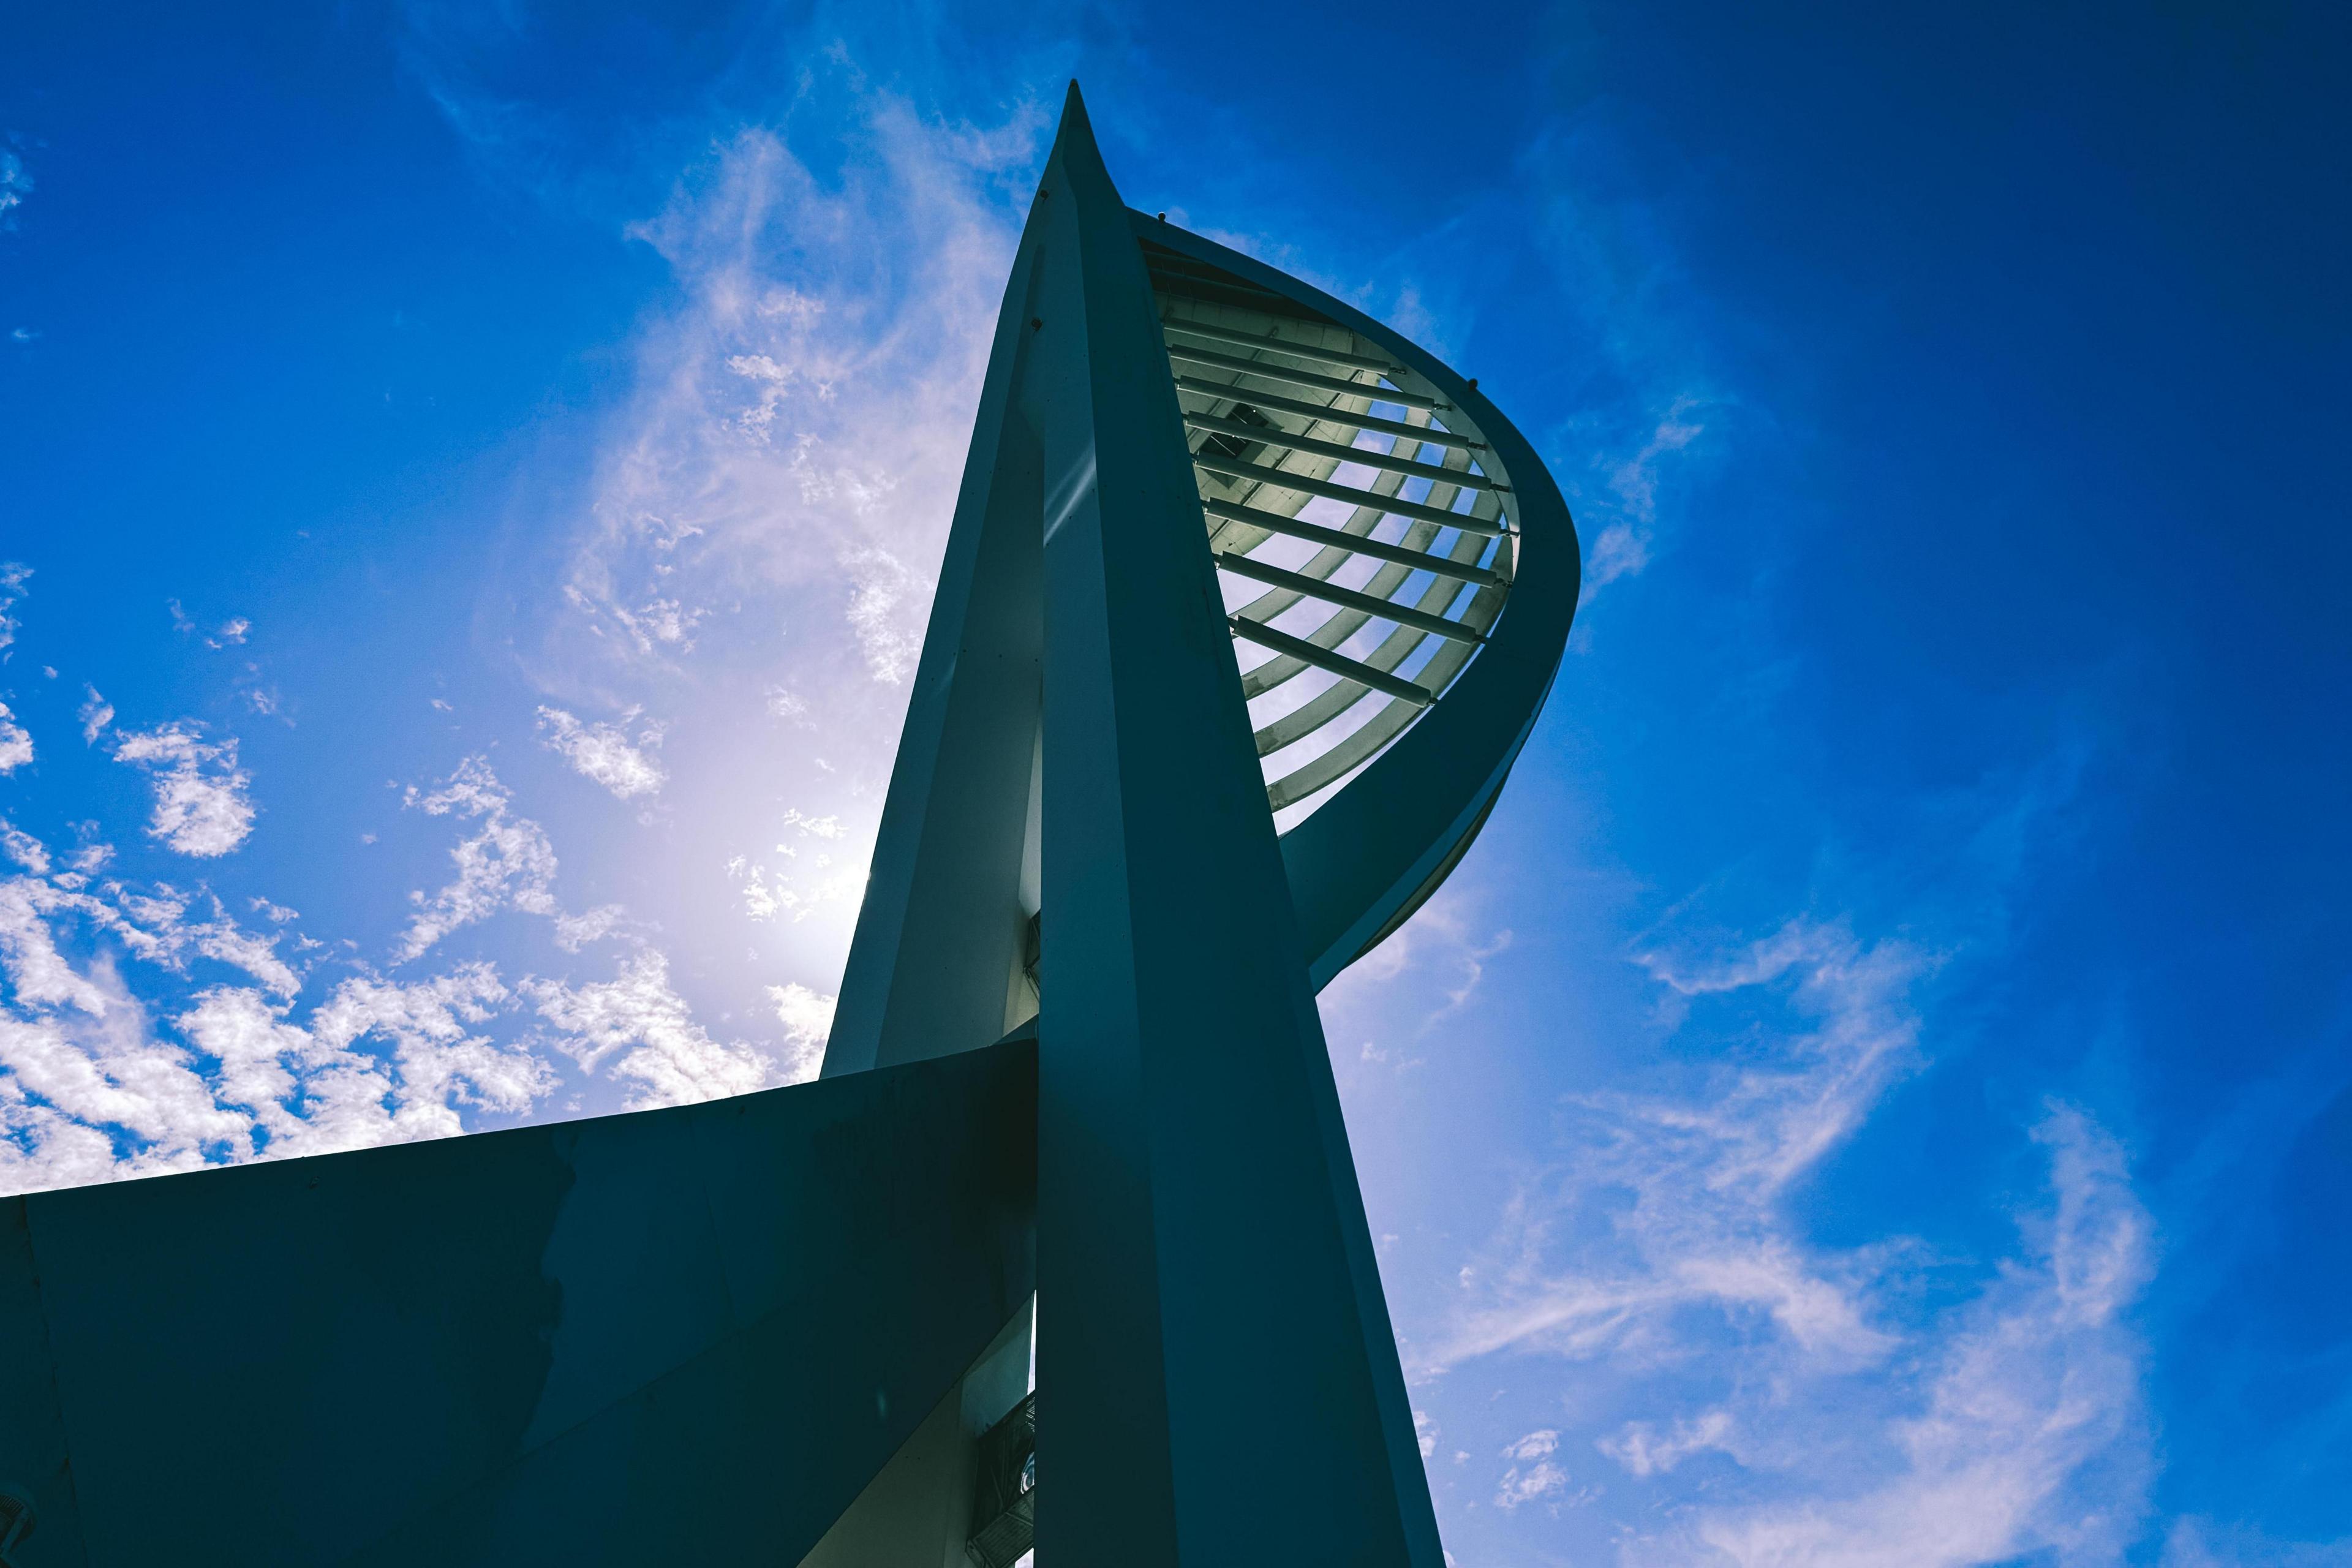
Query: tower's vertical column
x,y
1216,1379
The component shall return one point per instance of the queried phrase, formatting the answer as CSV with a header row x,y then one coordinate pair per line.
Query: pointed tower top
x,y
1074,143
1076,131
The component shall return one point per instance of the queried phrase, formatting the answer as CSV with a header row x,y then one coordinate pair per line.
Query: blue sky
x,y
1878,1092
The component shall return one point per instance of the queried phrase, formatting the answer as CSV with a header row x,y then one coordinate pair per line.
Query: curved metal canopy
x,y
1370,516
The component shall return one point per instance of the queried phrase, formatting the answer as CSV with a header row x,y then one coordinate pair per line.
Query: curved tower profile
x,y
1249,606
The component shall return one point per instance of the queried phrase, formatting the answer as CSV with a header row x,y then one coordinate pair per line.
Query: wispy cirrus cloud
x,y
1700,1178
765,506
2026,1432
1665,1254
1628,502
793,451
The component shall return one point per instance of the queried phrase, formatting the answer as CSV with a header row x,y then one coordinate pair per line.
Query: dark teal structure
x,y
1077,1060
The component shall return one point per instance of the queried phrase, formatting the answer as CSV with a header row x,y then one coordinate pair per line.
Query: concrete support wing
x,y
681,1336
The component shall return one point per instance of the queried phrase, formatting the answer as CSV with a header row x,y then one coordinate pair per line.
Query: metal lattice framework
x,y
1367,509
1372,516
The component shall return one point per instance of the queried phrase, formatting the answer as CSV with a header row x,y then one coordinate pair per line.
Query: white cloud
x,y
605,752
814,826
201,807
798,439
255,954
1643,1452
309,1091
882,594
506,863
760,901
1534,1475
152,925
807,1019
441,1063
574,933
657,625
796,896
72,1076
231,634
16,743
24,849
13,574
1534,1445
81,1070
637,1017
264,1063
37,972
90,1092
774,381
96,714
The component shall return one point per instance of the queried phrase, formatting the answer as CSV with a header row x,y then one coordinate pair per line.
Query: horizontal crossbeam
x,y
1339,664
1281,345
1275,435
1339,539
1347,598
1300,377
1324,411
1489,526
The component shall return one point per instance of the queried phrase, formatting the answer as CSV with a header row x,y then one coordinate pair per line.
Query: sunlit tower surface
x,y
1249,606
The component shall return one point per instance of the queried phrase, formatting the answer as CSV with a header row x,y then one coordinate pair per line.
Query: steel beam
x,y
1275,435
1331,594
1283,480
1289,377
1192,385
1356,543
1315,351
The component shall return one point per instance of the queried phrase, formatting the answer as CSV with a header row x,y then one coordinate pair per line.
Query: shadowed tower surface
x,y
1247,608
